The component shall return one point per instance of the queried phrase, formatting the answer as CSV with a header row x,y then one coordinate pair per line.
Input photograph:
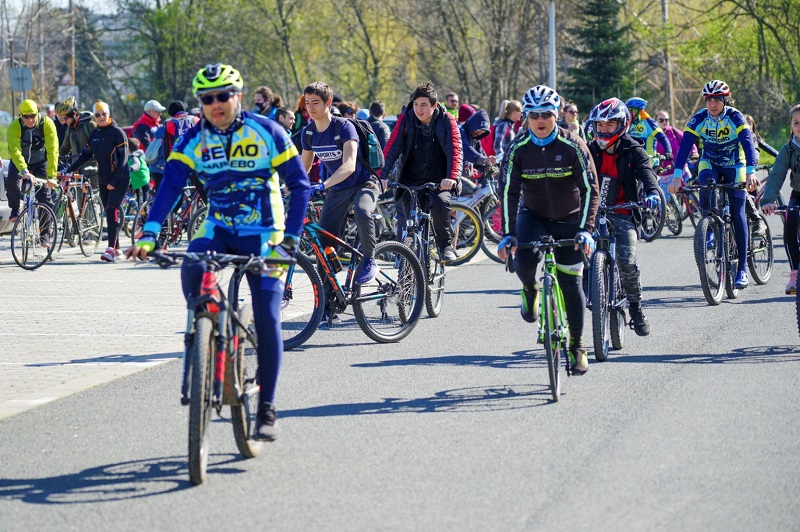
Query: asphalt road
x,y
691,428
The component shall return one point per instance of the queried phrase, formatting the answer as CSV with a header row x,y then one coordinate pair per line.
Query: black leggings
x,y
112,200
790,241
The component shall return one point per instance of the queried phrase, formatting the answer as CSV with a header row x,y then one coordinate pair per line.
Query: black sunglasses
x,y
663,119
222,97
28,116
535,116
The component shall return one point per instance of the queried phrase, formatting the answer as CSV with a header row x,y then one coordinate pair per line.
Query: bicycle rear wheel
x,y
760,256
434,289
33,236
90,226
467,232
388,307
303,303
673,216
552,342
709,259
600,272
492,226
202,353
245,366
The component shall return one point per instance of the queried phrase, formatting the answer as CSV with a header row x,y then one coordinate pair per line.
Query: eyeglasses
x,y
535,116
221,97
571,111
98,115
663,119
29,117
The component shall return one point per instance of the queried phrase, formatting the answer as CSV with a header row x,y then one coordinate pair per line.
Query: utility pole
x,y
72,43
667,62
42,80
553,44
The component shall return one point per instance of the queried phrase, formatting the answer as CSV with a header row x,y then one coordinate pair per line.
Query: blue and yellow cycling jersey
x,y
646,131
726,141
239,170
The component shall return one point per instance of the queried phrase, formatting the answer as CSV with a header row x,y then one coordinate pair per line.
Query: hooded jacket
x,y
788,160
445,131
36,146
473,152
77,135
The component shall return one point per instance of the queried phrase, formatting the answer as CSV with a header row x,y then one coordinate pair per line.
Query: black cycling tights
x,y
790,240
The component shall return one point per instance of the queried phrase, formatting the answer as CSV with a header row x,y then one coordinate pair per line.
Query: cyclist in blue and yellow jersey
x,y
645,130
238,157
549,187
728,156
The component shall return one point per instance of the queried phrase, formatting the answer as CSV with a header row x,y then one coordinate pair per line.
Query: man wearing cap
x,y
33,150
144,129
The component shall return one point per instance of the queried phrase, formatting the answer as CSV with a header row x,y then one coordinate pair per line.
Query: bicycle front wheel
x,y
303,303
492,226
600,294
731,263
33,236
760,254
90,226
434,289
552,340
673,216
245,367
467,228
709,258
388,307
202,353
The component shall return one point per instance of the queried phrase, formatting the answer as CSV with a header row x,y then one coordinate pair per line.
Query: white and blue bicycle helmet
x,y
541,98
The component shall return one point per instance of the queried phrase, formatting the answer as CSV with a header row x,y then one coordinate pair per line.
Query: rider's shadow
x,y
115,482
518,359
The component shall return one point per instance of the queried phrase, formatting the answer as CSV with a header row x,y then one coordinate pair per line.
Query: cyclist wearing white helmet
x,y
552,170
644,129
622,163
728,156
238,157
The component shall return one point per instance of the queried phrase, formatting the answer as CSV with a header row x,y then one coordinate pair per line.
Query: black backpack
x,y
369,154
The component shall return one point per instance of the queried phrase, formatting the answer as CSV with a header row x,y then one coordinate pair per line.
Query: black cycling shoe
x,y
638,320
529,310
266,423
758,226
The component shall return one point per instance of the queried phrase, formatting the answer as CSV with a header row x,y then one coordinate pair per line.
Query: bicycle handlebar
x,y
713,185
544,244
604,209
219,261
426,186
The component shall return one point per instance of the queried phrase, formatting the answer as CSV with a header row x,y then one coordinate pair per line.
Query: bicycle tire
x,y
617,324
693,207
552,344
732,263
62,223
139,221
467,227
202,353
710,263
434,285
245,366
401,282
760,255
673,218
653,219
491,231
196,221
599,272
90,226
303,303
28,248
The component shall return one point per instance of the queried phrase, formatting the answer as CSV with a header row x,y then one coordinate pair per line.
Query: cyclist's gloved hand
x,y
289,245
147,241
668,156
584,239
318,188
508,241
281,251
652,201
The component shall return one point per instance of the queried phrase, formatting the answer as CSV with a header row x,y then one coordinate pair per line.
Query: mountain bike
x,y
82,222
177,222
34,233
387,308
606,297
553,328
715,249
485,202
220,363
673,215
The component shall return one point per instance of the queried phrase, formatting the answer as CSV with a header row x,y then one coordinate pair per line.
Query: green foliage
x,y
604,66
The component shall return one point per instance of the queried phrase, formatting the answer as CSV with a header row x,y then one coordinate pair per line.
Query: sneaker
x,y
580,363
448,254
118,253
329,316
530,304
367,270
109,255
710,240
266,423
791,286
759,228
14,216
741,280
638,320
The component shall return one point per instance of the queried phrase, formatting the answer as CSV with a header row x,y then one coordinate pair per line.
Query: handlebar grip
x,y
510,262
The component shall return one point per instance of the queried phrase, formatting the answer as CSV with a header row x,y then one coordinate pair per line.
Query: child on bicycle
x,y
788,161
553,172
623,166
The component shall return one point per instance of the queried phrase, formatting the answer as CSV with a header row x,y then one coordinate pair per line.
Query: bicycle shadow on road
x,y
518,359
111,360
473,399
741,355
114,482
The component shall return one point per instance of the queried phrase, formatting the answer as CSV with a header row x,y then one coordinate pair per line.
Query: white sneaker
x,y
109,256
791,286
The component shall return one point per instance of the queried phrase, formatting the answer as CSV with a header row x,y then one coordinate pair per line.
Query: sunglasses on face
x,y
98,115
571,112
222,97
29,117
663,119
535,116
